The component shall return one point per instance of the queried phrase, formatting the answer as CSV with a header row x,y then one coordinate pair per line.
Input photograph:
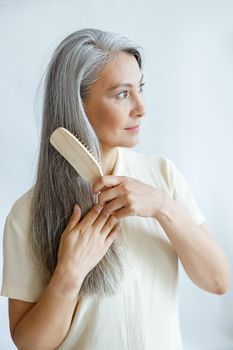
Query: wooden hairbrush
x,y
77,154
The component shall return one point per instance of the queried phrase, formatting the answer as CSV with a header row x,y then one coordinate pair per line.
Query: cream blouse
x,y
144,313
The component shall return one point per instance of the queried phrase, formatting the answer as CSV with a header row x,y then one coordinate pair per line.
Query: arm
x,y
53,313
45,324
202,258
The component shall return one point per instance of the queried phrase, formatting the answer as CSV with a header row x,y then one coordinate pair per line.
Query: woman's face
x,y
116,103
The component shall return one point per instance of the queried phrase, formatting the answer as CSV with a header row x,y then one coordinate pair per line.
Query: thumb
x,y
75,218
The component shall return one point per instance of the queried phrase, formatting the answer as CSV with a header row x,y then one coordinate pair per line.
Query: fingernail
x,y
76,208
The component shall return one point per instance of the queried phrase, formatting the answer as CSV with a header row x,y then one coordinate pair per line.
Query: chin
x,y
123,142
130,143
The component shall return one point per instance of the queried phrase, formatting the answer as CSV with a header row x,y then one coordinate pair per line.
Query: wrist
x,y
64,284
165,210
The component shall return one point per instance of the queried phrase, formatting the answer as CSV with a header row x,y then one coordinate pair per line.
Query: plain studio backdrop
x,y
188,50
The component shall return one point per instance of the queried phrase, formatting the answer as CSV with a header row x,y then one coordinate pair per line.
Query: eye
x,y
141,87
123,94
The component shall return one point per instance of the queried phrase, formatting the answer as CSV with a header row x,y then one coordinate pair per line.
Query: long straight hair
x,y
75,65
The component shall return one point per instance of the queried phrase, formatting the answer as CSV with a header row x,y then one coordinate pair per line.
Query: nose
x,y
138,109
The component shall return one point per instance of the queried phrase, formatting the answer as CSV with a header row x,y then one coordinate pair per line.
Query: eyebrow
x,y
124,85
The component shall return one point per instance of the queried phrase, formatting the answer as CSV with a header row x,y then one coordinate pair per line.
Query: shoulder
x,y
23,202
19,214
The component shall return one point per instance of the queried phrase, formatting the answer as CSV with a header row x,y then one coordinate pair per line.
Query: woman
x,y
96,267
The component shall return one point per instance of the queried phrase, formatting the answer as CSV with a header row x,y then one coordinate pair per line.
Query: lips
x,y
132,127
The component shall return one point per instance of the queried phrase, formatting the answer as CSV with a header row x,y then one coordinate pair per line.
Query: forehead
x,y
123,68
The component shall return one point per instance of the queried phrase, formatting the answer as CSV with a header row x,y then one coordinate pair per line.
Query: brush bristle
x,y
87,147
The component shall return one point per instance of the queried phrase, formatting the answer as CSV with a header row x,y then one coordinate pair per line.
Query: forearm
x,y
202,258
47,323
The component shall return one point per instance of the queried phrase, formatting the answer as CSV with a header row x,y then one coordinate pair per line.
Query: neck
x,y
109,160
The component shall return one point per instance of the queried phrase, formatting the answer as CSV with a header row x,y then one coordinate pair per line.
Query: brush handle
x,y
76,154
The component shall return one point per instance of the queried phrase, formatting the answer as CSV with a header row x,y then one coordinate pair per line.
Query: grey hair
x,y
75,65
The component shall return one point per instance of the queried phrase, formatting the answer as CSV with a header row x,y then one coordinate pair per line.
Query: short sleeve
x,y
180,191
21,277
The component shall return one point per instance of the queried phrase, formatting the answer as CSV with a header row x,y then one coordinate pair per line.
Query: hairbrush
x,y
77,154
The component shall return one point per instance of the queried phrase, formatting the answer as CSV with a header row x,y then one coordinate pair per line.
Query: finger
x,y
122,213
75,217
113,234
106,181
101,220
92,214
108,226
115,204
108,195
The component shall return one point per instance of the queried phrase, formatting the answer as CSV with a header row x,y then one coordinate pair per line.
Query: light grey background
x,y
188,49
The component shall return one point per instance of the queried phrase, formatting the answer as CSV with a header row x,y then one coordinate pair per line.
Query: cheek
x,y
108,127
110,116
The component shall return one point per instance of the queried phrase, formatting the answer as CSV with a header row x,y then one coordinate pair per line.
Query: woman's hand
x,y
83,244
128,196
